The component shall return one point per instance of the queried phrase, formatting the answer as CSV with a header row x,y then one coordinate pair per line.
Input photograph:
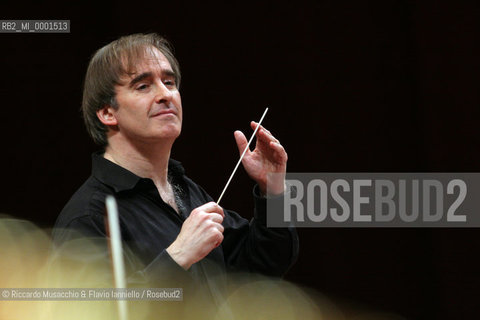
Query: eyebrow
x,y
145,75
139,78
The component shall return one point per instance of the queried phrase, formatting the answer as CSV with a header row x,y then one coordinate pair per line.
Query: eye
x,y
169,82
142,87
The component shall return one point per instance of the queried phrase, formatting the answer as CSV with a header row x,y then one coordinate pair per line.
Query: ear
x,y
106,116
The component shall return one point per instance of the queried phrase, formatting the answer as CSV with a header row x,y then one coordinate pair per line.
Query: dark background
x,y
352,86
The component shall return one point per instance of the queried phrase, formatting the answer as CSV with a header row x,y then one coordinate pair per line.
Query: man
x,y
132,108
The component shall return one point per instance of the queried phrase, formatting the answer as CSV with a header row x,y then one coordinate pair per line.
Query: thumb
x,y
241,141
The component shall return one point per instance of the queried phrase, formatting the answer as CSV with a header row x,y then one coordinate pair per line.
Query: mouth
x,y
164,112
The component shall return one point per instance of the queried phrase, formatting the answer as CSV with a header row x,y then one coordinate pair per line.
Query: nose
x,y
162,94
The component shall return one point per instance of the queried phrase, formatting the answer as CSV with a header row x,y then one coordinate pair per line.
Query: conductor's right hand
x,y
201,232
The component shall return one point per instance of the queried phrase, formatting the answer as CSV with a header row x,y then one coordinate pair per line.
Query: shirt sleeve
x,y
251,246
84,240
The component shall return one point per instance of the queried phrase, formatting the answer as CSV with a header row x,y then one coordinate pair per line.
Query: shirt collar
x,y
122,179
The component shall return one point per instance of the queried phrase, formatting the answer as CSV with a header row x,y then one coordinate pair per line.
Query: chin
x,y
172,134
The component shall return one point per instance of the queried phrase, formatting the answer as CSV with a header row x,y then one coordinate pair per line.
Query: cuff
x,y
164,269
260,202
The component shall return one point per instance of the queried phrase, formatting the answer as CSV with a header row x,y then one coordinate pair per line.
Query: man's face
x,y
149,103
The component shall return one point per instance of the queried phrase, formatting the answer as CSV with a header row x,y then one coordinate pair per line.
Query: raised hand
x,y
269,156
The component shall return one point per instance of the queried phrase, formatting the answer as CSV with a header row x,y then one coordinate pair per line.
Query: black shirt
x,y
149,225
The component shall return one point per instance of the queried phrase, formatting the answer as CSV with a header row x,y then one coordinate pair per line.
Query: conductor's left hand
x,y
269,156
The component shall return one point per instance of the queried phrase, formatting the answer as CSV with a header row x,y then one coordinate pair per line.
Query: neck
x,y
146,160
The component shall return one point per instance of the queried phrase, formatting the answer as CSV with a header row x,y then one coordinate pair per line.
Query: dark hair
x,y
106,68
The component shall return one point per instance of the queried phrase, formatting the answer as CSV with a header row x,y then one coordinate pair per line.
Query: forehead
x,y
151,60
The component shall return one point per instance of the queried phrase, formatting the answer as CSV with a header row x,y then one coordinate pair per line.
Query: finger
x,y
217,218
241,141
254,124
212,207
279,151
219,241
262,131
266,137
219,227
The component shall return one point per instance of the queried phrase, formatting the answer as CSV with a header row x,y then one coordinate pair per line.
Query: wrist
x,y
273,184
179,256
273,190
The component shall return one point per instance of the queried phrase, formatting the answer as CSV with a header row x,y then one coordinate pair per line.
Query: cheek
x,y
136,106
128,115
178,102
